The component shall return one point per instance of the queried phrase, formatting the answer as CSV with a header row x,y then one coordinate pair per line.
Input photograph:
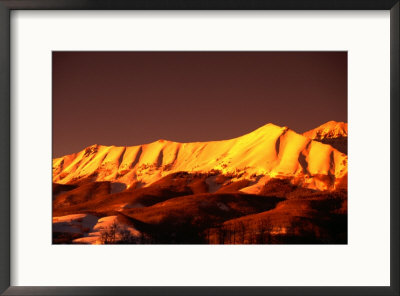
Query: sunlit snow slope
x,y
268,152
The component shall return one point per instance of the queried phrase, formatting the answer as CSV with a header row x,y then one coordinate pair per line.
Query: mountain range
x,y
293,184
268,152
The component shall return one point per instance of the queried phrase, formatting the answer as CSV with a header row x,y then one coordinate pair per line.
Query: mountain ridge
x,y
332,133
329,130
268,152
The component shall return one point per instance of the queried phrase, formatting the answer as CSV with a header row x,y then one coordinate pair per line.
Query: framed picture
x,y
224,148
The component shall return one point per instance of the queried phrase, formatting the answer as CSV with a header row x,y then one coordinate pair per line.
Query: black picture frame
x,y
6,6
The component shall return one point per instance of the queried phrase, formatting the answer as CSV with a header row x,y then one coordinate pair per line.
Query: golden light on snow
x,y
271,150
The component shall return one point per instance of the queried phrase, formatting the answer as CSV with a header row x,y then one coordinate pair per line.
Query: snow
x,y
77,223
329,130
270,150
89,226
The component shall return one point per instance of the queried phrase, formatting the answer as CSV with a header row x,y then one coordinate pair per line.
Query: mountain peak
x,y
271,151
270,127
329,130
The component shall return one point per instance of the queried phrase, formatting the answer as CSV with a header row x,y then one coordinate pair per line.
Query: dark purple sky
x,y
131,98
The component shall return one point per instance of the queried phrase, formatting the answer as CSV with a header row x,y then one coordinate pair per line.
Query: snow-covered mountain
x,y
332,133
330,130
268,152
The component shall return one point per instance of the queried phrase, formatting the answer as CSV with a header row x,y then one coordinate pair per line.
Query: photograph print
x,y
207,147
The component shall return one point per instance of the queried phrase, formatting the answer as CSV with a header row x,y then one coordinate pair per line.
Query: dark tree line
x,y
241,232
